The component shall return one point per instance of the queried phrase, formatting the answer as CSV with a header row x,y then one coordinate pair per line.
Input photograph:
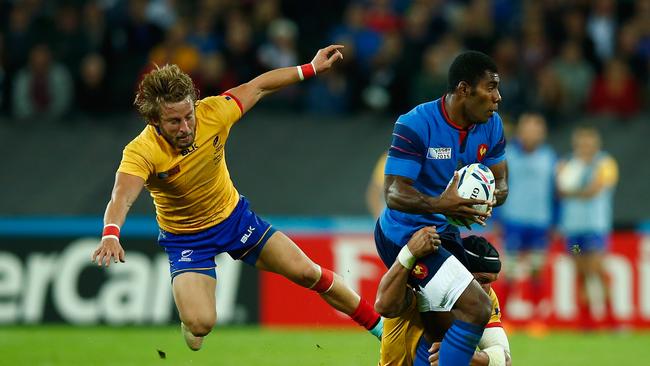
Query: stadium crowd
x,y
562,58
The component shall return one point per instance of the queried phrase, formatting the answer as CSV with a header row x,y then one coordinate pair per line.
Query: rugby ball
x,y
474,181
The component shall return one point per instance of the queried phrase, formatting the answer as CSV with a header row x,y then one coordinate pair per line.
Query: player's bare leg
x,y
194,294
282,256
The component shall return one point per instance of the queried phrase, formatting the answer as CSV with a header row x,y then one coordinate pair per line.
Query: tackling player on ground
x,y
429,144
404,342
180,158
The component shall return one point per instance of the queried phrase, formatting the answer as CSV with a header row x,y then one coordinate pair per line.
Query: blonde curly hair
x,y
167,84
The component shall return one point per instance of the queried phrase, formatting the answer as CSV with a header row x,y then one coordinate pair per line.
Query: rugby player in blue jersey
x,y
429,144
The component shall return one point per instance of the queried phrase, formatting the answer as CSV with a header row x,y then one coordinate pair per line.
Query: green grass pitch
x,y
122,346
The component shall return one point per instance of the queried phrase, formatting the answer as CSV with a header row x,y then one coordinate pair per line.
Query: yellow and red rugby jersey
x,y
401,335
191,189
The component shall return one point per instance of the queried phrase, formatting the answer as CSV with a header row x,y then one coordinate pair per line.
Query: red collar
x,y
448,119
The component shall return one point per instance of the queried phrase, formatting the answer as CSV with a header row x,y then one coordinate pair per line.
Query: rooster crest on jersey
x,y
474,181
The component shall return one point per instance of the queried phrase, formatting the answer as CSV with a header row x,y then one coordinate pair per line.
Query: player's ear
x,y
463,88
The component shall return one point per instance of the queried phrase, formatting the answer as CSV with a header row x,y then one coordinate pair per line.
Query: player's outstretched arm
x,y
393,296
125,191
251,92
401,195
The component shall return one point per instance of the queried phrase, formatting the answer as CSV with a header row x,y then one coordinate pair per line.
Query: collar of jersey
x,y
445,116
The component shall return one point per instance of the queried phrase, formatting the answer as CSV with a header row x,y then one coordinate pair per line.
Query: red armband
x,y
306,71
111,231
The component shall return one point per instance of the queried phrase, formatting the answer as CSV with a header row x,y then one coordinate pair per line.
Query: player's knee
x,y
307,276
200,327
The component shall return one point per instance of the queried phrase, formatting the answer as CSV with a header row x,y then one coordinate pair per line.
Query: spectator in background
x,y
548,95
175,50
512,86
575,75
240,51
573,29
93,97
280,49
366,42
212,78
94,28
329,95
615,91
601,26
202,36
628,49
586,181
44,89
431,79
68,42
526,232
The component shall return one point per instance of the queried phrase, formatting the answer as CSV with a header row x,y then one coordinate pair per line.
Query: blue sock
x,y
378,329
459,343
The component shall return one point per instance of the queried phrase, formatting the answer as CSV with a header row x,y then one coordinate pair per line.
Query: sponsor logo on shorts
x,y
439,153
249,232
420,271
185,255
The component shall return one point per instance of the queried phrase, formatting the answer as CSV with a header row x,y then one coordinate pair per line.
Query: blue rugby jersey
x,y
531,181
428,147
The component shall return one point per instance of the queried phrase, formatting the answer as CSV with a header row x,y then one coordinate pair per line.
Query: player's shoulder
x,y
419,117
145,143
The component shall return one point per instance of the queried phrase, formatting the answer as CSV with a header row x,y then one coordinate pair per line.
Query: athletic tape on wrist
x,y
406,258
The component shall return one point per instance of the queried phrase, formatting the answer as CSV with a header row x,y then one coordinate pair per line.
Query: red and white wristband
x,y
111,231
306,71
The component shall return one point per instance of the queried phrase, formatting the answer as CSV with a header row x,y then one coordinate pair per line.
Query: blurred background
x,y
305,155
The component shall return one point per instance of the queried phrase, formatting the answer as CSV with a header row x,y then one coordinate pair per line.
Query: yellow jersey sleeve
x,y
400,337
608,171
495,318
225,108
378,172
135,160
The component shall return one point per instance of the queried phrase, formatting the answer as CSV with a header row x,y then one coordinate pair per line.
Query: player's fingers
x,y
100,258
454,180
122,255
332,47
435,347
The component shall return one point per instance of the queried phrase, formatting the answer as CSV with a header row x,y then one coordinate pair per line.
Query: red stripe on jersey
x,y
241,108
494,325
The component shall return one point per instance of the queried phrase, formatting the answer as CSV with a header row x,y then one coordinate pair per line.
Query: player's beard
x,y
184,142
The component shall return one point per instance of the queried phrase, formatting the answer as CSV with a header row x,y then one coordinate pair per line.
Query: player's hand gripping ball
x,y
475,181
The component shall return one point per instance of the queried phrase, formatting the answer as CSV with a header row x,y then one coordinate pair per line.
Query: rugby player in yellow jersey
x,y
179,157
404,342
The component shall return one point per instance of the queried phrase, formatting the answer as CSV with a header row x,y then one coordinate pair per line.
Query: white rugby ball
x,y
475,181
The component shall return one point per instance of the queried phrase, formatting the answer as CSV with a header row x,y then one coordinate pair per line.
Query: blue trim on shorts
x,y
587,242
242,235
520,238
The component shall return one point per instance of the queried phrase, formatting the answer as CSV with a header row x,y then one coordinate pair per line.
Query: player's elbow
x,y
387,309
